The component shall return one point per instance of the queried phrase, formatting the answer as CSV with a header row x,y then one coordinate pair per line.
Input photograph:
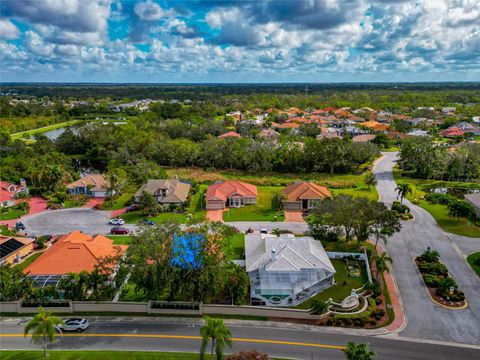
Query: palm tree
x,y
381,262
319,307
370,179
43,327
358,352
220,335
403,190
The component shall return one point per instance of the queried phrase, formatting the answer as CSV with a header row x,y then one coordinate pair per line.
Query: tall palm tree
x,y
319,307
358,352
403,190
220,335
43,328
382,264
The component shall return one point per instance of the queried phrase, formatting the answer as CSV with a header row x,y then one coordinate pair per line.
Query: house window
x,y
235,202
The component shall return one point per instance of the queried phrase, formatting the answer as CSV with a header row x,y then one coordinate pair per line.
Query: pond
x,y
55,133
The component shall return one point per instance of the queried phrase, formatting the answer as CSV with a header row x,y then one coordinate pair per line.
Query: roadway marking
x,y
187,337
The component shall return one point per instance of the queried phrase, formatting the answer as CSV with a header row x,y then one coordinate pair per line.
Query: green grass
x,y
460,226
130,294
119,202
93,355
237,245
261,211
23,265
471,258
11,214
339,291
120,239
19,135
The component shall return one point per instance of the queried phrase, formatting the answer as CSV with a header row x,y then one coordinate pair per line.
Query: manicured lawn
x,y
18,135
342,288
471,258
118,203
459,226
261,211
22,266
94,355
11,214
237,244
121,239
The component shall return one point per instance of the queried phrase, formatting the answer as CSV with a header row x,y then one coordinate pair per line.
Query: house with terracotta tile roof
x,y
452,131
374,125
230,134
94,185
73,253
364,138
230,194
304,195
9,192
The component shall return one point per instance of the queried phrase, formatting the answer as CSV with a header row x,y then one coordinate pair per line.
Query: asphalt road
x,y
297,344
425,319
56,222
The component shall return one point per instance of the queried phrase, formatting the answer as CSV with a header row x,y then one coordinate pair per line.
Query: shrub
x,y
460,208
248,355
436,198
429,255
400,208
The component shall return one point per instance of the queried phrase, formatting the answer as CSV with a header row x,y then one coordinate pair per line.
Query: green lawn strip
x,y
11,214
339,291
471,260
104,355
236,243
24,264
460,226
261,211
390,312
18,135
121,239
119,202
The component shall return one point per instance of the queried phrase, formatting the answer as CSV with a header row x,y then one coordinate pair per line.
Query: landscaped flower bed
x,y
441,286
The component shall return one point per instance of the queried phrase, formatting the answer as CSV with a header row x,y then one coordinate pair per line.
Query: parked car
x,y
118,230
74,325
263,231
133,207
146,222
19,226
116,221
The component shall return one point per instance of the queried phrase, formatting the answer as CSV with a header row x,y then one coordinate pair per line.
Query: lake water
x,y
55,133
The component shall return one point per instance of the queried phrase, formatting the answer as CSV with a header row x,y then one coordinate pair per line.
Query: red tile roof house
x,y
452,132
230,194
91,185
73,253
304,196
230,134
9,192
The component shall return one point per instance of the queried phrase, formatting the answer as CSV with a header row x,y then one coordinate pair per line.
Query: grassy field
x,y
237,245
93,355
342,288
120,239
23,265
11,214
471,258
460,226
21,134
261,211
119,202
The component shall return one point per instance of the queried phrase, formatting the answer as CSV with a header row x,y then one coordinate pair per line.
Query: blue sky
x,y
239,41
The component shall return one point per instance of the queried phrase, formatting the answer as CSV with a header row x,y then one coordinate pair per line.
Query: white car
x,y
263,231
116,221
74,325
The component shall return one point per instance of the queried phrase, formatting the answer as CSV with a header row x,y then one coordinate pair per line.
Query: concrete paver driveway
x,y
55,222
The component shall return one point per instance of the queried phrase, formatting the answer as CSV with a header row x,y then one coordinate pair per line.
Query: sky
x,y
239,41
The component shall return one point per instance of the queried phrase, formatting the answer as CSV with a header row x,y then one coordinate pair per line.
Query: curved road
x,y
425,319
180,335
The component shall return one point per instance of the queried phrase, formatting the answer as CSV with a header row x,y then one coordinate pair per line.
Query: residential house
x,y
448,110
268,133
230,194
304,195
474,200
165,191
94,185
327,133
418,133
286,270
451,132
10,192
72,253
364,138
230,134
13,248
375,126
468,128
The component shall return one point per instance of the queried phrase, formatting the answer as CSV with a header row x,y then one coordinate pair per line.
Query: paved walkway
x,y
294,216
424,319
214,215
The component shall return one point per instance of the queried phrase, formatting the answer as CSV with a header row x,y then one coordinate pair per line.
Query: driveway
x,y
294,216
425,319
214,215
56,222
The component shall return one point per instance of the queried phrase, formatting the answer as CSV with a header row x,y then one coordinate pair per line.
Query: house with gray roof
x,y
286,270
474,200
166,191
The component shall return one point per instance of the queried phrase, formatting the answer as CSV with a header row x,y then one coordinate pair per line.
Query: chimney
x,y
274,254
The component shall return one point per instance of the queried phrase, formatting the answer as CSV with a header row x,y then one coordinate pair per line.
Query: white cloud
x,y
150,10
8,30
